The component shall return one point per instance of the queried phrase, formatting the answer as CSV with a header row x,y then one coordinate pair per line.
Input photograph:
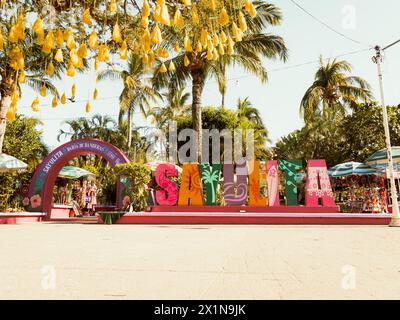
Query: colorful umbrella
x,y
11,164
380,157
71,172
351,168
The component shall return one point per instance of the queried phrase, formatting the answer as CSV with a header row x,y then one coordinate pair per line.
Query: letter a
x,y
190,192
318,185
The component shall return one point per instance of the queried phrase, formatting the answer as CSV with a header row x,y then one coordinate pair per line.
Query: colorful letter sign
x,y
169,195
210,176
190,192
255,197
273,183
235,194
318,185
290,168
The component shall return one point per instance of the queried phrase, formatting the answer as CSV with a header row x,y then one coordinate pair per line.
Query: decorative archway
x,y
41,188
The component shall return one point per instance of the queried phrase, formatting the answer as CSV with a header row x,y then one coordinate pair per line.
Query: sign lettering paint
x,y
242,183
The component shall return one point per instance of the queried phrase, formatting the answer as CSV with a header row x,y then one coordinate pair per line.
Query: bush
x,y
136,177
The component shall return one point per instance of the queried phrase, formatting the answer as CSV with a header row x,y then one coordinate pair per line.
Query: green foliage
x,y
351,138
137,176
23,141
223,118
334,89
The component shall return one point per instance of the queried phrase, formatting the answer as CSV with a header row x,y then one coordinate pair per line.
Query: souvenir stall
x,y
75,189
379,161
359,188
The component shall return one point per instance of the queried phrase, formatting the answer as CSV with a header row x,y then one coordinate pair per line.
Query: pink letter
x,y
273,183
168,196
318,185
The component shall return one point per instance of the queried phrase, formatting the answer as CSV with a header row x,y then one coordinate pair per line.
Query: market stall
x,y
76,188
359,187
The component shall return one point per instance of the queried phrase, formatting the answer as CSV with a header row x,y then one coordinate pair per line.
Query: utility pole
x,y
378,59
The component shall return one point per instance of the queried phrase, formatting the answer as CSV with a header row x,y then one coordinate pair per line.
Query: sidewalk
x,y
62,261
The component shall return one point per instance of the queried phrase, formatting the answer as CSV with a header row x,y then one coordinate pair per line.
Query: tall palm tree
x,y
246,110
98,126
248,54
250,118
176,105
137,92
35,66
334,88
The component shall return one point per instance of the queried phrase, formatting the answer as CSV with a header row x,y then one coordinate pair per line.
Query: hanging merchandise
x,y
88,107
95,94
73,90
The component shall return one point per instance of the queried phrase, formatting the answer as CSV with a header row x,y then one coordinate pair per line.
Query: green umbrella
x,y
11,164
380,157
71,172
351,168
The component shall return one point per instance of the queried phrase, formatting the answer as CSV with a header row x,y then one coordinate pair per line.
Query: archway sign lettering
x,y
242,184
41,188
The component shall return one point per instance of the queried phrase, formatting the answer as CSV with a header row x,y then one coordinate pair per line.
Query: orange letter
x,y
190,192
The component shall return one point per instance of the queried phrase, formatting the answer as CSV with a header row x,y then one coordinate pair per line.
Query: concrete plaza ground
x,y
75,261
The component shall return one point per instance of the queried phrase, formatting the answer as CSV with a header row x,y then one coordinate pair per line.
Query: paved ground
x,y
199,262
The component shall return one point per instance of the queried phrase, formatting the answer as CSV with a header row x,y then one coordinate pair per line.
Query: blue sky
x,y
369,22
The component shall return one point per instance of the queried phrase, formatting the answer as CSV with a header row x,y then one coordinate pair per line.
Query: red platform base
x,y
21,218
306,217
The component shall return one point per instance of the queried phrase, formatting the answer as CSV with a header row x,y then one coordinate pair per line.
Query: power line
x,y
327,25
295,66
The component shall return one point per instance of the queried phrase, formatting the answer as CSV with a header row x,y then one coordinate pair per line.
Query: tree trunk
x,y
6,89
197,90
223,100
129,130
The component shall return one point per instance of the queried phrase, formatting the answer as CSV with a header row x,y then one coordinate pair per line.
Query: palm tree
x,y
137,91
35,64
101,127
246,110
176,106
335,89
248,53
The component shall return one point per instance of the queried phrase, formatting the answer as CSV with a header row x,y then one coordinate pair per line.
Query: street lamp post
x,y
395,222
